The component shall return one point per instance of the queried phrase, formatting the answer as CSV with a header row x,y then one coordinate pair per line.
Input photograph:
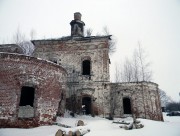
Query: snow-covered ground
x,y
103,127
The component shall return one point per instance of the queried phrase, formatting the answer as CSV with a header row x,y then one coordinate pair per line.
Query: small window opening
x,y
27,96
105,86
55,61
86,67
109,61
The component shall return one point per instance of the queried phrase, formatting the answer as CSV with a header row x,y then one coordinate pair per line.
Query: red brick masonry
x,y
48,80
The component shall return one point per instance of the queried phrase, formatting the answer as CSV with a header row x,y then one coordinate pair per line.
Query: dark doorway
x,y
86,67
86,102
27,96
127,106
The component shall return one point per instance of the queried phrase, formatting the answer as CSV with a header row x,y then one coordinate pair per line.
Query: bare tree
x,y
18,36
128,71
135,66
20,39
28,47
125,72
88,32
145,74
136,69
118,73
106,30
165,99
112,42
32,34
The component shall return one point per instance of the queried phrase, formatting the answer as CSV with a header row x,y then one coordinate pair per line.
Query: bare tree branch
x,y
32,34
117,73
112,42
135,69
165,99
20,39
88,32
145,72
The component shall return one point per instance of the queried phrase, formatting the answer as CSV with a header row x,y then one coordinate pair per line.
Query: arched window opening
x,y
27,96
127,105
86,66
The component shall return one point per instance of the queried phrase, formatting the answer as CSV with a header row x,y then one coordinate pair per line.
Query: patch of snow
x,y
102,127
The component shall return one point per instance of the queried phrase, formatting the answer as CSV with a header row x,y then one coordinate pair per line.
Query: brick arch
x,y
86,91
86,58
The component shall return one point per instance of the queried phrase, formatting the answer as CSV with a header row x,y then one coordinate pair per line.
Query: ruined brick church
x,y
70,73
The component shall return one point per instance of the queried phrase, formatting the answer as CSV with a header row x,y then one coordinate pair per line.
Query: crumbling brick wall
x,y
144,98
11,48
46,78
70,52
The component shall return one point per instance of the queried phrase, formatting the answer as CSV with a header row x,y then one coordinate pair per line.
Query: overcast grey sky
x,y
155,23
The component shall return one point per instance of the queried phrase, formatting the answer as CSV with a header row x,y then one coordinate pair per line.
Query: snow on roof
x,y
75,38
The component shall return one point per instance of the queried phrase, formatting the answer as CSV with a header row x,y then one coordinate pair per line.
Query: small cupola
x,y
77,26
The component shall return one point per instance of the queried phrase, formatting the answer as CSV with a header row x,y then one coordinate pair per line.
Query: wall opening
x,y
27,96
86,66
26,105
127,106
86,105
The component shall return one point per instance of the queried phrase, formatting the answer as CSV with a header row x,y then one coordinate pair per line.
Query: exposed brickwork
x,y
11,48
92,89
70,53
47,78
144,98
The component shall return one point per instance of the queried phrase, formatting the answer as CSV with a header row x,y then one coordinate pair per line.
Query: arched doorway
x,y
127,105
86,104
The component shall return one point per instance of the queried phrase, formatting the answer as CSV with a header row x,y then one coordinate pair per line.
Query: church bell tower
x,y
77,26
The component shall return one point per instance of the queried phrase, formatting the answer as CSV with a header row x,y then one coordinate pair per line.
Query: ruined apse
x,y
32,90
140,99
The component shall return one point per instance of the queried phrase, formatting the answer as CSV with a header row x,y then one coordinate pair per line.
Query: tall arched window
x,y
86,67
